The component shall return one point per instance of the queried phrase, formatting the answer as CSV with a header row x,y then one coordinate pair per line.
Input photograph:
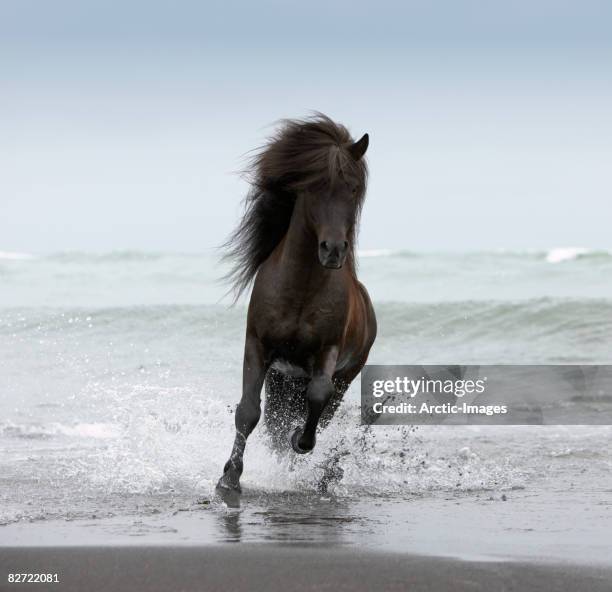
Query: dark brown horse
x,y
310,323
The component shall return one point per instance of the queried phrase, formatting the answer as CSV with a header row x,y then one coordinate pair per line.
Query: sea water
x,y
119,374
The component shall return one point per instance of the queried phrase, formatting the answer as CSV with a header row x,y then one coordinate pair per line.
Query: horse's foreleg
x,y
320,390
248,413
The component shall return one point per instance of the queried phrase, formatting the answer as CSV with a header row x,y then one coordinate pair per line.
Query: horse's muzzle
x,y
332,254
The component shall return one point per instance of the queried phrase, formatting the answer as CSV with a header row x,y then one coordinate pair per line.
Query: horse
x,y
310,322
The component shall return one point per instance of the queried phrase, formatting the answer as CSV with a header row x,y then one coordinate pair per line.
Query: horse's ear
x,y
358,149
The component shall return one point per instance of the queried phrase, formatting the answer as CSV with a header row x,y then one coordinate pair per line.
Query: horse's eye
x,y
355,190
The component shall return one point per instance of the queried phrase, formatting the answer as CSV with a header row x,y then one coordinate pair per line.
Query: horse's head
x,y
333,207
311,175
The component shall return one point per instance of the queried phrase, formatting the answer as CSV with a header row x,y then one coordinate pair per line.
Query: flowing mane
x,y
301,154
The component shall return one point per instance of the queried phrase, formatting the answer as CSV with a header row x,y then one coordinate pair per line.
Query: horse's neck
x,y
299,263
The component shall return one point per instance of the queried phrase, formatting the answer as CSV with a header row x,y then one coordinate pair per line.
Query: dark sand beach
x,y
270,568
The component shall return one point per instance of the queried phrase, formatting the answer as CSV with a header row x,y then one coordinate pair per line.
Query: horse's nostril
x,y
325,245
345,245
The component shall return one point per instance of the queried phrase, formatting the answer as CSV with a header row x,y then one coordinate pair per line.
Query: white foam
x,y
9,256
77,430
90,430
561,254
376,253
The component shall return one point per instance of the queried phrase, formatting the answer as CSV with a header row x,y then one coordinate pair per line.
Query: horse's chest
x,y
302,330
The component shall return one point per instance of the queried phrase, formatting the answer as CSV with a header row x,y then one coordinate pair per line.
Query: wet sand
x,y
557,520
270,568
554,534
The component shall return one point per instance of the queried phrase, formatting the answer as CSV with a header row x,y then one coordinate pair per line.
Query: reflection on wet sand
x,y
312,520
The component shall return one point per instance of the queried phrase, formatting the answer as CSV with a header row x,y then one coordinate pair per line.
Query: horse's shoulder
x,y
367,301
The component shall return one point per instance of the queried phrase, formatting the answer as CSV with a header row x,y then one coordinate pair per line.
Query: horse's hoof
x,y
295,436
230,496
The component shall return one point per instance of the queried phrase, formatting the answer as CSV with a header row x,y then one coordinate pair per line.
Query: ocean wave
x,y
118,256
33,431
570,254
552,255
493,316
10,256
536,331
561,312
378,253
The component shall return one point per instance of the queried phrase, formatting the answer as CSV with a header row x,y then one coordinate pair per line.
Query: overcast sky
x,y
122,123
